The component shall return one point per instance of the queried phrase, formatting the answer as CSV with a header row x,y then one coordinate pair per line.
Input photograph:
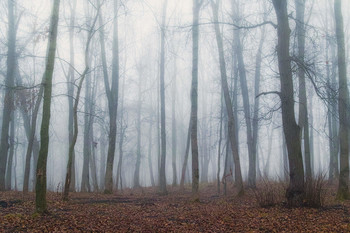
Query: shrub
x,y
269,193
315,191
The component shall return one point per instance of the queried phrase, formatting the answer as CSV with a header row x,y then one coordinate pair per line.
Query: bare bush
x,y
269,193
315,191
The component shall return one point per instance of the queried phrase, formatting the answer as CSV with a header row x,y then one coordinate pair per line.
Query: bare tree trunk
x,y
295,191
121,139
220,141
255,121
12,150
246,104
228,102
85,178
9,95
187,150
303,113
173,126
150,151
343,106
75,109
70,88
194,99
138,128
40,197
162,175
112,97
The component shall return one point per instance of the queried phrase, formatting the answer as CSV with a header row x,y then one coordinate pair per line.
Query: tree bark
x,y
194,99
40,197
9,95
187,150
75,109
343,106
112,97
173,126
303,113
162,175
295,191
12,150
228,102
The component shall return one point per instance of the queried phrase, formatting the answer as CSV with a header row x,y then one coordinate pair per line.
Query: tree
x,y
112,97
40,188
75,108
343,106
295,190
9,95
228,101
162,176
303,113
194,98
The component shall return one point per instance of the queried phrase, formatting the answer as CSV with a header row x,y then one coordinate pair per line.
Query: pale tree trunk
x,y
295,191
343,106
9,95
150,151
173,126
303,113
246,104
85,179
138,129
93,158
30,128
228,102
112,97
220,142
70,88
123,127
257,77
187,150
75,109
12,150
40,197
162,175
93,144
332,113
194,99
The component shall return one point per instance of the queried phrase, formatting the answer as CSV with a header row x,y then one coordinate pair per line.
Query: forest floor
x,y
144,210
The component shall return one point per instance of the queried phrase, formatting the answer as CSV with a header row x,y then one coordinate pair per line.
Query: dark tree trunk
x,y
295,191
9,95
303,113
40,188
343,106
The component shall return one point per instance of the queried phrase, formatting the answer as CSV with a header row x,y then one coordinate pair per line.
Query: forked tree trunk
x,y
112,97
303,113
75,109
228,102
295,191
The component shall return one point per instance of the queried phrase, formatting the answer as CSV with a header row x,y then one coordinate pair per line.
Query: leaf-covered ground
x,y
144,210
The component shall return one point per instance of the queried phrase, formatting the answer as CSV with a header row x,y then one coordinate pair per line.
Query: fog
x,y
139,29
